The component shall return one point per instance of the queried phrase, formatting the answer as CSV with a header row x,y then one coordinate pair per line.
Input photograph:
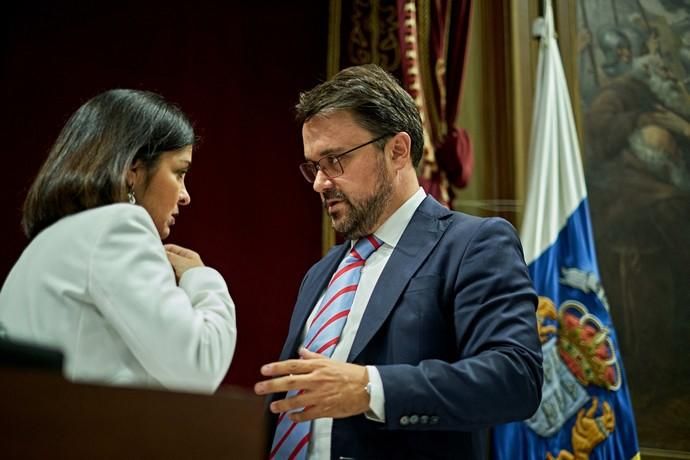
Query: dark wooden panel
x,y
44,416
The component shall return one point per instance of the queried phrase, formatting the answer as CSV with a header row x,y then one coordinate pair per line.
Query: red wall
x,y
236,71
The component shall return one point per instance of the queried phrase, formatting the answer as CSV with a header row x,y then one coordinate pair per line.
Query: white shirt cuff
x,y
377,400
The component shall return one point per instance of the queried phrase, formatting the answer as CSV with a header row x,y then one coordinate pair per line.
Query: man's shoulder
x,y
433,209
460,228
462,221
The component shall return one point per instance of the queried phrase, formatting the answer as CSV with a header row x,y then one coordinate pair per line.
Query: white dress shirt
x,y
389,233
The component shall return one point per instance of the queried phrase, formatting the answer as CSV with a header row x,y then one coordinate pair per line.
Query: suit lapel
x,y
419,238
309,294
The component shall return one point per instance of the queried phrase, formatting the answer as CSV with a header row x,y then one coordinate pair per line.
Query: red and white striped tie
x,y
291,439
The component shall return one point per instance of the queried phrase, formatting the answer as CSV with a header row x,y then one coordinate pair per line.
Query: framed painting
x,y
633,78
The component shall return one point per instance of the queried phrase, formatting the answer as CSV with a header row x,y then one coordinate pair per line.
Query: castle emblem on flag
x,y
578,352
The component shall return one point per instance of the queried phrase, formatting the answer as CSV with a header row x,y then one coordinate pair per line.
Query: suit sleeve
x,y
183,336
497,375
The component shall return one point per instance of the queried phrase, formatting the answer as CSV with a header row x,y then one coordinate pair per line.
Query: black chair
x,y
24,355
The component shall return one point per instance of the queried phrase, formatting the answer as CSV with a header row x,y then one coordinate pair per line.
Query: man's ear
x,y
135,173
401,150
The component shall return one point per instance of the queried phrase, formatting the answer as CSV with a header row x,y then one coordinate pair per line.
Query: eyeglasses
x,y
330,165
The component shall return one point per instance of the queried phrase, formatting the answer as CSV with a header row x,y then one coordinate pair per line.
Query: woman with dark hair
x,y
95,280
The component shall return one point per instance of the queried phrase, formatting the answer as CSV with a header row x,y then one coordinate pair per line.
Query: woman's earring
x,y
130,196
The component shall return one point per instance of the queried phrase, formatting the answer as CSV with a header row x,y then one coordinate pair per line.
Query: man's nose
x,y
322,182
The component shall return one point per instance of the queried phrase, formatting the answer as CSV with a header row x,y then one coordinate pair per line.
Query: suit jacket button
x,y
414,419
424,419
433,419
404,420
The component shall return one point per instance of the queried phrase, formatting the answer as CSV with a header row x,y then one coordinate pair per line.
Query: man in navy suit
x,y
441,341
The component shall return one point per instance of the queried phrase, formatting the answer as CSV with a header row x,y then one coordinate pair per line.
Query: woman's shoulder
x,y
112,218
116,210
114,214
122,217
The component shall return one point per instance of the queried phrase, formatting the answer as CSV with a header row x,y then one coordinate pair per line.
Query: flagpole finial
x,y
544,27
539,27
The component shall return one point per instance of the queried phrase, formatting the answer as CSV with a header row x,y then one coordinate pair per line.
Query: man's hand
x,y
182,259
326,388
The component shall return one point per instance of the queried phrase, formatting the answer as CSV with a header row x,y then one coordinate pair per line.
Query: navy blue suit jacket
x,y
451,328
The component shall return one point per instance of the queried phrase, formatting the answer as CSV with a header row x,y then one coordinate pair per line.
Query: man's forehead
x,y
330,134
320,144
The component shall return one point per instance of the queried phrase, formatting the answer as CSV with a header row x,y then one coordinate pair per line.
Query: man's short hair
x,y
375,99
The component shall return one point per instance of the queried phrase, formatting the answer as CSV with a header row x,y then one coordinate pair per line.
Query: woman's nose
x,y
185,198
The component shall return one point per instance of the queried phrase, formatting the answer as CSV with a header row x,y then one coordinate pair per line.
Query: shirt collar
x,y
392,229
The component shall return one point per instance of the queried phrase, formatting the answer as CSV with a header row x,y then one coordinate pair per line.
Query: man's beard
x,y
359,218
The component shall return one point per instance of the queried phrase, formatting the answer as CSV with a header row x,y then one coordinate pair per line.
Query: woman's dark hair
x,y
87,166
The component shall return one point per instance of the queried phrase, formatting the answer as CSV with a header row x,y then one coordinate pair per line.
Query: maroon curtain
x,y
433,37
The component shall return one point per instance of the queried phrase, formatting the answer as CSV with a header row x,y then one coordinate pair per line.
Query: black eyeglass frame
x,y
312,168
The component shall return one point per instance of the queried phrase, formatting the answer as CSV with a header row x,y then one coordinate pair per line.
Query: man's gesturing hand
x,y
326,388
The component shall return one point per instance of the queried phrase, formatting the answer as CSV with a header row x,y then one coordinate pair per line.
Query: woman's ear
x,y
135,174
